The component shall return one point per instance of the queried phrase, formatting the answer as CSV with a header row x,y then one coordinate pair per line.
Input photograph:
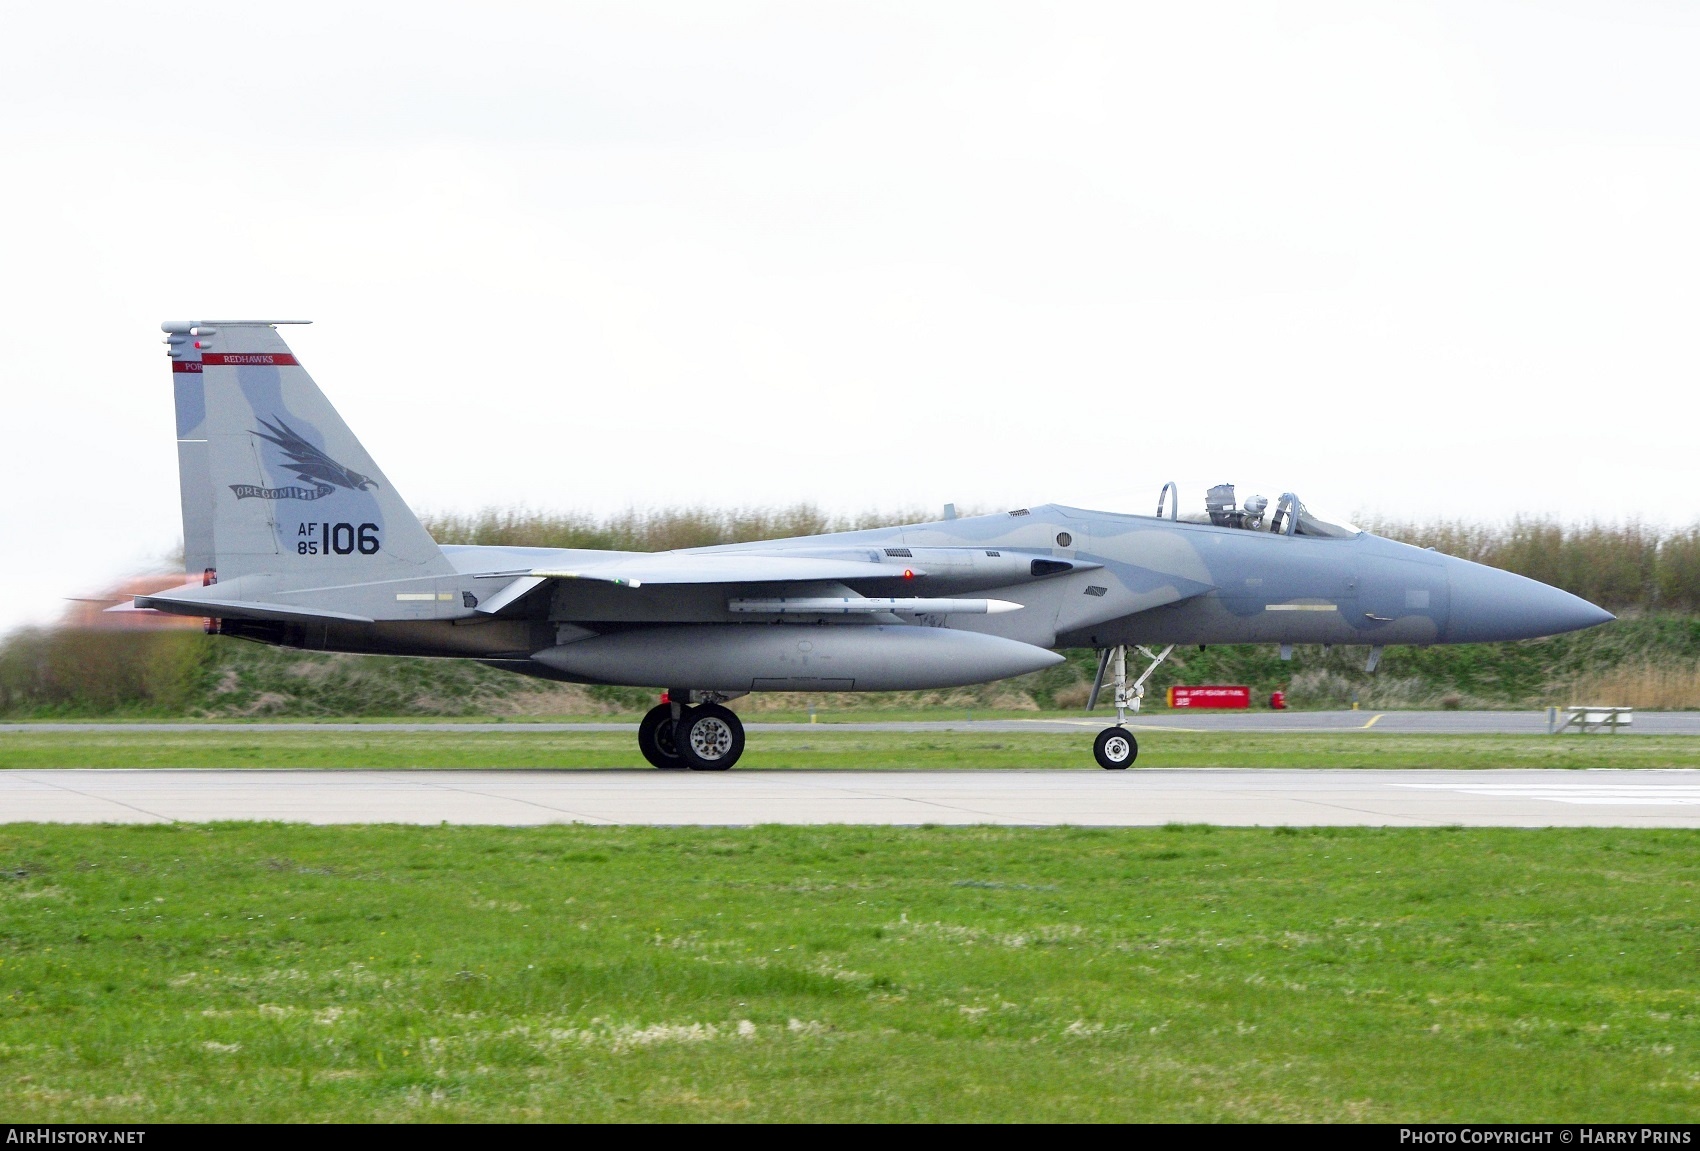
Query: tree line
x,y
1631,568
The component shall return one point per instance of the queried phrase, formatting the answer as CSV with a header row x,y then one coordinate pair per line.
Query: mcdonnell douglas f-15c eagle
x,y
294,536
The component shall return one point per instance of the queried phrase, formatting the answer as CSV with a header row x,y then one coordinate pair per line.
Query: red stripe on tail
x,y
245,359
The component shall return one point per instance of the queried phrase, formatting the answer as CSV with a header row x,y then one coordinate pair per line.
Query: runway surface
x,y
1390,722
1227,797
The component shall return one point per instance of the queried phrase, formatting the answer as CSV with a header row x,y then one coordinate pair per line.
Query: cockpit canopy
x,y
1288,517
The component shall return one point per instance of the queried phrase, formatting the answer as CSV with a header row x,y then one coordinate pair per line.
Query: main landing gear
x,y
704,737
1115,748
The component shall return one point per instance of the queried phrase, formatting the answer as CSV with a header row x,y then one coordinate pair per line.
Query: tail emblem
x,y
308,463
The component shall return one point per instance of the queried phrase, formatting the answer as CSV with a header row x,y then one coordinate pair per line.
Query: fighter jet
x,y
294,536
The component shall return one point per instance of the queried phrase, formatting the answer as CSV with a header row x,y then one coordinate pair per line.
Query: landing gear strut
x,y
1115,748
706,737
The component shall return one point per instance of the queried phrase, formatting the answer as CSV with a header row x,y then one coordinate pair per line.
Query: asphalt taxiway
x,y
1227,797
1388,722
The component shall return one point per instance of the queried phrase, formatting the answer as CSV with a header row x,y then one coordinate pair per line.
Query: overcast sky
x,y
1415,260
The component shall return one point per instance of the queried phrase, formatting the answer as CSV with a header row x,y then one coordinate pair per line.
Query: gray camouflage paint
x,y
268,469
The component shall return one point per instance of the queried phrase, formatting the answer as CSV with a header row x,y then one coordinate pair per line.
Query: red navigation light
x,y
907,574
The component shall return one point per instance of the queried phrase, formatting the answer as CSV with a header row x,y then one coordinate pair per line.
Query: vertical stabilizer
x,y
194,478
273,481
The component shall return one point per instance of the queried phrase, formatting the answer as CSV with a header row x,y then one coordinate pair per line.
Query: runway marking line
x,y
577,816
99,798
1134,726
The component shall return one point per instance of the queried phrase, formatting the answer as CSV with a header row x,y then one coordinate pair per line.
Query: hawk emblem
x,y
309,464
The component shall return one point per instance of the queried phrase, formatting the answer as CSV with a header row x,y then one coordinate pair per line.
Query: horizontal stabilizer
x,y
241,609
128,609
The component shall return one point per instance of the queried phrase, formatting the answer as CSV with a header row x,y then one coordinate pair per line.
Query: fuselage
x,y
1081,578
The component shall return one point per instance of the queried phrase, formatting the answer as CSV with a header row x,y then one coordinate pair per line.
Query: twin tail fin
x,y
273,481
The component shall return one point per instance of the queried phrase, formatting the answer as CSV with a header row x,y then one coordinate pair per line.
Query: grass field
x,y
824,748
254,972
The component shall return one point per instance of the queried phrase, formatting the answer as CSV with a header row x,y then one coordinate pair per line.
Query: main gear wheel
x,y
709,738
655,738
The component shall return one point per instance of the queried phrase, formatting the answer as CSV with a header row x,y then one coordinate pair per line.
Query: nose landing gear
x,y
1115,748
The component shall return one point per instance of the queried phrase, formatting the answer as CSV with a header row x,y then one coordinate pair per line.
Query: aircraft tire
x,y
1115,749
655,739
709,738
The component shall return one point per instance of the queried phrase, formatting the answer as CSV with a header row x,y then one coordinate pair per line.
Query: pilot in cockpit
x,y
1290,516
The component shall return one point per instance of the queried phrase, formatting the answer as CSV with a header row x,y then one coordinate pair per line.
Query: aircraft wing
x,y
696,568
736,567
636,569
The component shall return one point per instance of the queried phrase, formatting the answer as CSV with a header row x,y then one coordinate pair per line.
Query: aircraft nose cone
x,y
1490,605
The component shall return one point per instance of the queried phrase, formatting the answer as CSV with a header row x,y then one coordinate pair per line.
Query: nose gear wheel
x,y
1115,748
